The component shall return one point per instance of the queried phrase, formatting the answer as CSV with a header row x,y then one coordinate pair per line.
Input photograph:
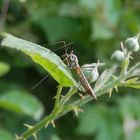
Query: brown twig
x,y
3,14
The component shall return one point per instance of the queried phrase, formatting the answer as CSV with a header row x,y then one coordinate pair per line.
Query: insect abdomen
x,y
85,83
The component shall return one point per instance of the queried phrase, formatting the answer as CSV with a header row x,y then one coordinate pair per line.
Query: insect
x,y
72,62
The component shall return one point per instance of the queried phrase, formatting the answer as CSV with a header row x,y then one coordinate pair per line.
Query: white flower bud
x,y
91,74
132,43
118,56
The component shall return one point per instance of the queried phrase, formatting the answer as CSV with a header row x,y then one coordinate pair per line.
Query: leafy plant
x,y
4,68
121,73
6,135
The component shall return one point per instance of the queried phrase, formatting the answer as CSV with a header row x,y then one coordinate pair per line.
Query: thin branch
x,y
58,96
3,14
57,113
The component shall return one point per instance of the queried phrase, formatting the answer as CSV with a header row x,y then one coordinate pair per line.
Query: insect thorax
x,y
73,61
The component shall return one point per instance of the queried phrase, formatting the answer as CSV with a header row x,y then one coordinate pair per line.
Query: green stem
x,y
125,65
38,126
68,95
56,113
88,98
99,92
58,96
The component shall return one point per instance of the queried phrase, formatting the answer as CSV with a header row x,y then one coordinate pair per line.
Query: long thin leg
x,y
55,43
64,46
38,83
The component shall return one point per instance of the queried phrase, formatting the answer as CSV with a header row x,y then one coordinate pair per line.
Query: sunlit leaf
x,y
22,103
132,80
133,83
47,59
137,86
4,68
55,137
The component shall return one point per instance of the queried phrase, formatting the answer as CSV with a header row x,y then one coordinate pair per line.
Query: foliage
x,y
29,105
95,27
5,135
105,83
4,68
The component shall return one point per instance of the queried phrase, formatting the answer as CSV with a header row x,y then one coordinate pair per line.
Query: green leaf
x,y
4,68
55,137
4,135
132,80
70,9
135,134
105,76
47,59
58,28
129,106
100,31
100,119
21,102
130,15
134,70
104,17
137,86
133,83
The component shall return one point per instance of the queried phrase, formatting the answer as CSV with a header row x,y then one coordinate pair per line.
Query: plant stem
x,y
38,126
60,110
58,96
68,95
56,113
3,14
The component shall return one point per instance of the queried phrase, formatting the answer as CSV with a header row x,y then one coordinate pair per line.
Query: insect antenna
x,y
38,83
65,55
69,46
63,43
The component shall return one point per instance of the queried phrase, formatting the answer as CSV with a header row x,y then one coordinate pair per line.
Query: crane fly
x,y
72,62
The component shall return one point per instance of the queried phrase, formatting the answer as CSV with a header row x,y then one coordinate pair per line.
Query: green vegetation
x,y
96,28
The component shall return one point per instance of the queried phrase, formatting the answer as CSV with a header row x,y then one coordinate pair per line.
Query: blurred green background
x,y
96,27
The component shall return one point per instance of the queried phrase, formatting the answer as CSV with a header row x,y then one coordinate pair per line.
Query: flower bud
x,y
91,74
118,56
132,43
